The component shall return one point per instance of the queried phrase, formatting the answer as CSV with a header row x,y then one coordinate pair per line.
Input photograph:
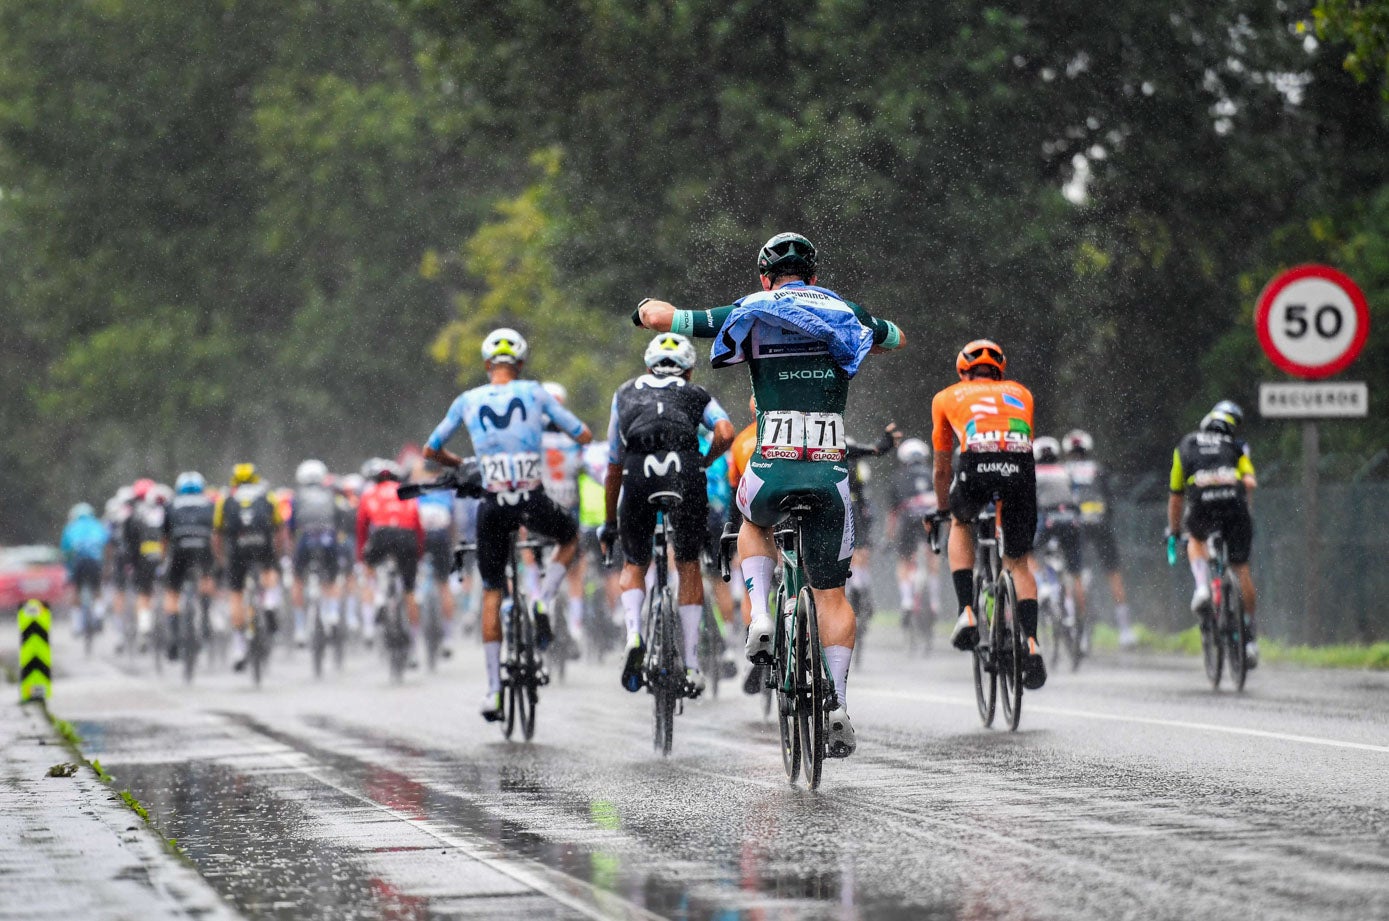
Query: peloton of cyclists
x,y
653,447
991,419
1211,479
803,344
506,419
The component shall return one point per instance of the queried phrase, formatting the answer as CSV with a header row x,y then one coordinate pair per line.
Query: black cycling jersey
x,y
188,523
659,414
1210,467
144,531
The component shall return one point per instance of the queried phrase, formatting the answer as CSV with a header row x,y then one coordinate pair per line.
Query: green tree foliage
x,y
1364,25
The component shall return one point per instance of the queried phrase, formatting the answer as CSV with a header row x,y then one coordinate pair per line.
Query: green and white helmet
x,y
669,353
505,346
787,254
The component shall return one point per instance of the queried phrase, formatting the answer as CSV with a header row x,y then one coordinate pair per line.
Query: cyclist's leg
x,y
757,555
1198,528
967,499
828,547
906,564
495,525
405,548
574,580
545,517
1075,565
690,523
1017,511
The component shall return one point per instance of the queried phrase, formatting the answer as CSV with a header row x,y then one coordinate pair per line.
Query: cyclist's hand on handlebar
x,y
935,526
727,540
607,537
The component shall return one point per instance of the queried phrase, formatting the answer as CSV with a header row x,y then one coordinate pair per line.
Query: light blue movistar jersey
x,y
505,418
84,539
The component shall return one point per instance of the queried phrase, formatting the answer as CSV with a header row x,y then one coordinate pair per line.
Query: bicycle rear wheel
x,y
811,699
397,642
1012,649
258,648
188,634
985,658
318,641
670,678
1212,649
783,666
433,628
1234,631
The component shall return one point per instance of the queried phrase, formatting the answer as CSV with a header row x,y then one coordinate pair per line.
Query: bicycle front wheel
x,y
985,659
783,668
811,697
1012,649
188,636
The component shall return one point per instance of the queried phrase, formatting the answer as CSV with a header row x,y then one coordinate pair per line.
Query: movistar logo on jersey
x,y
487,414
659,383
808,374
660,467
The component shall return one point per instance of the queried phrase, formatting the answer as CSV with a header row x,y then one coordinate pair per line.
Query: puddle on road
x,y
264,839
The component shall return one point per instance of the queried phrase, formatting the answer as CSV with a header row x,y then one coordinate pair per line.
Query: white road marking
x,y
1141,720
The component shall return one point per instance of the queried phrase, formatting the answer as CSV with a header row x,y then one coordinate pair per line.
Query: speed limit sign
x,y
1312,321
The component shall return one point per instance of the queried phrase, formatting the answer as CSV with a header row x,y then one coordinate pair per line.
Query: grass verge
x,y
1373,656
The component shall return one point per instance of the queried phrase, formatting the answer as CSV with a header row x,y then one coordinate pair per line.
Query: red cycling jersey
x,y
380,507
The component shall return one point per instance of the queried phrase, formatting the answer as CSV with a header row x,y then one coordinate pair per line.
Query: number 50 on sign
x,y
1312,321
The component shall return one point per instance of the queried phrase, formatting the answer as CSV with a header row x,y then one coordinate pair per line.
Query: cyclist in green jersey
x,y
802,344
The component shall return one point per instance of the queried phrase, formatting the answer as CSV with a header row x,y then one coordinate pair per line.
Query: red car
x,y
31,572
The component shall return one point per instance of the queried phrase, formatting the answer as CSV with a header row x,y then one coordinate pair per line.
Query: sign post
x,y
1312,321
35,658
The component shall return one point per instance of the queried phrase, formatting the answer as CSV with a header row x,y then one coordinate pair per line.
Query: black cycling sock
x,y
964,587
1027,615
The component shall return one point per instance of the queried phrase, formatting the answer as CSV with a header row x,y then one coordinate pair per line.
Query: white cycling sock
x,y
273,597
1122,616
757,576
838,658
631,611
904,594
549,588
533,581
690,615
330,612
576,616
493,653
1201,572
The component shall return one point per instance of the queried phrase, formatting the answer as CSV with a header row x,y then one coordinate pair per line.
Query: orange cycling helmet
x,y
981,353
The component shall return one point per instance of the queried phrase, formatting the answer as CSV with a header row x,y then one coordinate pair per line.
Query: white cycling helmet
x,y
556,390
1046,450
1078,441
505,346
669,353
311,473
913,451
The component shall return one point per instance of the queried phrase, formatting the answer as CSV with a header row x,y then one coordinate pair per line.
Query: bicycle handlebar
x,y
465,481
933,530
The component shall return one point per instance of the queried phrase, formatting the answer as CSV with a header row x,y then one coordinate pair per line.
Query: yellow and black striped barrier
x,y
35,656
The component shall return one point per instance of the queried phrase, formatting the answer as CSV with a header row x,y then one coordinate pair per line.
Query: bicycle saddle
x,y
796,502
665,499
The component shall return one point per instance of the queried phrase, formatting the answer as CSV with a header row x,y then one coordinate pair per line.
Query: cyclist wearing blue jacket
x,y
84,548
506,419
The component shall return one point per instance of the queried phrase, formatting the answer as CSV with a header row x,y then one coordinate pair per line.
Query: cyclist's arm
x,y
564,420
434,448
701,324
887,335
721,427
1176,498
942,443
612,488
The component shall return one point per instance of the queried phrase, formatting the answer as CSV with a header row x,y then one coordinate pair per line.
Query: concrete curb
x,y
69,846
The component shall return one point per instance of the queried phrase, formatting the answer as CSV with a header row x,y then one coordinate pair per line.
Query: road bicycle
x,y
663,669
260,628
1055,603
191,627
798,676
1224,633
431,613
89,617
323,636
390,594
1000,654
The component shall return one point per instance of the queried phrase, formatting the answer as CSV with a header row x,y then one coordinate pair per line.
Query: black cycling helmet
x,y
787,254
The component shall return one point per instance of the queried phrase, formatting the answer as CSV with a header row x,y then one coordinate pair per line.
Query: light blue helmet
x,y
81,510
190,482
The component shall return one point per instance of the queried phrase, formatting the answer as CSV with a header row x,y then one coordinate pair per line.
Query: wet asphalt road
x,y
1130,791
